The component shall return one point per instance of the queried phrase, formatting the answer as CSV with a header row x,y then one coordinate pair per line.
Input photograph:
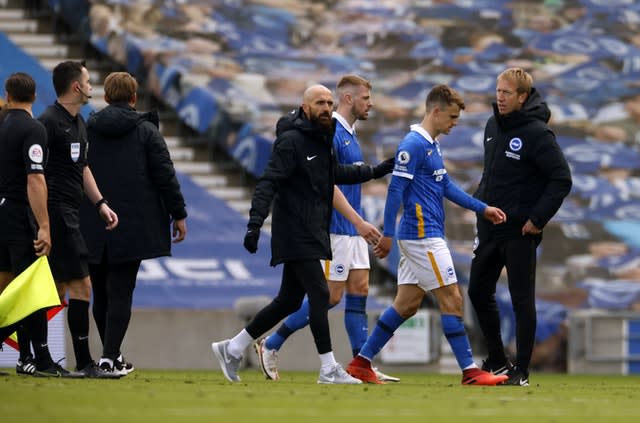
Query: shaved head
x,y
313,92
317,104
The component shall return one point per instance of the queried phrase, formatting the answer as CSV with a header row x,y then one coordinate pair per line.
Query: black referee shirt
x,y
68,148
23,143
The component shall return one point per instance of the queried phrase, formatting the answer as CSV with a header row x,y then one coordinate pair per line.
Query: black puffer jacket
x,y
132,167
525,171
299,180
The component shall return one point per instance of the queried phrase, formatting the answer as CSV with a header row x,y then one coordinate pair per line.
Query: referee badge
x,y
75,151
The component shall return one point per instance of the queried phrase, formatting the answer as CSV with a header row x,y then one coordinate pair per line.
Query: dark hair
x,y
443,96
21,87
64,74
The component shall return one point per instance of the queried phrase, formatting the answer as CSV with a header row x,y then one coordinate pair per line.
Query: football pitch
x,y
205,396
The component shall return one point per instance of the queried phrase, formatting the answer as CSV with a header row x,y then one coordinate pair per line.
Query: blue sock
x,y
295,321
453,329
386,326
355,321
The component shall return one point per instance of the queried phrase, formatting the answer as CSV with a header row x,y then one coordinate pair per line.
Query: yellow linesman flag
x,y
30,291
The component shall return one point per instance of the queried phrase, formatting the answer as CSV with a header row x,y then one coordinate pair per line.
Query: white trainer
x,y
228,363
336,375
268,360
384,377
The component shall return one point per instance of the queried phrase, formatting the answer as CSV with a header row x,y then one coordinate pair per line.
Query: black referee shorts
x,y
16,256
68,258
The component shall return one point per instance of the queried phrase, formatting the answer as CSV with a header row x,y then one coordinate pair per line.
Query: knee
x,y
334,298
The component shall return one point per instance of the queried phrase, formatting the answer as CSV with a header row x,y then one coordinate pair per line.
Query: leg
x,y
99,273
406,303
78,319
121,282
485,271
289,298
355,311
450,303
521,271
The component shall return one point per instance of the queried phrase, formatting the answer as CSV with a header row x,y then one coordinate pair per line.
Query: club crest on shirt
x,y
515,144
75,151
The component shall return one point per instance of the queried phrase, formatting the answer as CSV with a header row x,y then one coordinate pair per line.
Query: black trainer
x,y
496,368
56,370
92,371
517,377
26,367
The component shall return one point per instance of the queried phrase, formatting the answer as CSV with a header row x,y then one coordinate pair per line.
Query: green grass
x,y
205,396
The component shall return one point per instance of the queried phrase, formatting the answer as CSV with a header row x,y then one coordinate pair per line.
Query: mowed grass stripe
x,y
155,395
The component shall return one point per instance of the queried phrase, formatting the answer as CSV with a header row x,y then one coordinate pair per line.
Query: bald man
x,y
303,172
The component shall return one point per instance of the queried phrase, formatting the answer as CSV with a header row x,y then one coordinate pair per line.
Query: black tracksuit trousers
x,y
113,286
298,278
518,255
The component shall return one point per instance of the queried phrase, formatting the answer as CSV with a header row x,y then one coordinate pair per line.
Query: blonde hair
x,y
119,87
520,77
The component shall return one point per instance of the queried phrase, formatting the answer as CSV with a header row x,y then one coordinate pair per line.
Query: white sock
x,y
327,361
239,343
470,366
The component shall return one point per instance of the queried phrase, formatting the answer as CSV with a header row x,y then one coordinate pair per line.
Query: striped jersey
x,y
419,183
347,148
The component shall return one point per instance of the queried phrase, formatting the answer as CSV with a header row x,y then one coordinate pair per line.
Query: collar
x,y
337,116
66,112
419,129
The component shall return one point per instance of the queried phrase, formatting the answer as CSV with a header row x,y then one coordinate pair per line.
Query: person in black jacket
x,y
144,190
69,180
527,176
300,182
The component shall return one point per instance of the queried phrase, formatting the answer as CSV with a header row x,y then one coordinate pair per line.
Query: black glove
x,y
251,240
383,168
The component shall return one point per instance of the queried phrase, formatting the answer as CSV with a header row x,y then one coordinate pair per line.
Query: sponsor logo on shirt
x,y
36,154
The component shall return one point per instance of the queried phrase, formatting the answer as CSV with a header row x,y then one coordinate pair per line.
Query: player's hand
x,y
179,230
382,248
369,232
251,240
494,215
42,245
109,216
530,229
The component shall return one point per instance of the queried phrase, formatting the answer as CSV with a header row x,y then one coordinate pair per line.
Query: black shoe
x,y
26,366
56,370
491,366
122,366
517,377
92,371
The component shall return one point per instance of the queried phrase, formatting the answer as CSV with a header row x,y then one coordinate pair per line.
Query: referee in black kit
x,y
24,228
68,180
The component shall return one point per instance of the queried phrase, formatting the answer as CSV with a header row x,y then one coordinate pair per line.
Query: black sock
x,y
36,326
78,318
24,343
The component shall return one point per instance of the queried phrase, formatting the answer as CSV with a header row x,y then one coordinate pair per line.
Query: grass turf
x,y
190,396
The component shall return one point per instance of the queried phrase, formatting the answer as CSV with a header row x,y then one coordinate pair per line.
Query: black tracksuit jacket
x,y
525,172
298,184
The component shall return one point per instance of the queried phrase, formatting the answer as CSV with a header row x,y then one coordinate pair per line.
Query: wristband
x,y
101,202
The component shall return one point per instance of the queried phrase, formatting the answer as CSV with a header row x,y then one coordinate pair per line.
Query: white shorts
x,y
349,252
425,262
